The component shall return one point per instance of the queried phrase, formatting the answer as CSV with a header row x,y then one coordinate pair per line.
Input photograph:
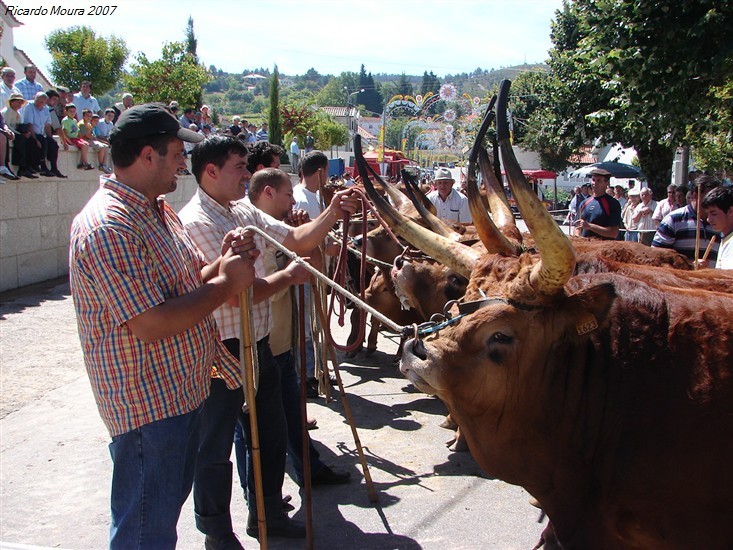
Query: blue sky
x,y
329,35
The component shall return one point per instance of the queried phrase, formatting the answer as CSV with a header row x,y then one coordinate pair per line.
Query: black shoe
x,y
327,476
287,507
47,174
58,174
224,542
311,389
281,526
28,174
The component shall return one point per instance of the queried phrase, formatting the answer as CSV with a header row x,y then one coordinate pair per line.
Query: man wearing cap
x,y
600,215
28,86
449,203
85,100
144,296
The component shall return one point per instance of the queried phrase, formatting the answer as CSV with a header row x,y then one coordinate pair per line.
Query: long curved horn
x,y
457,256
433,221
502,213
494,241
557,257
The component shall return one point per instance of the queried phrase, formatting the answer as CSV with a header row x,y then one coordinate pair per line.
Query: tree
x,y
175,76
79,54
275,128
639,73
191,45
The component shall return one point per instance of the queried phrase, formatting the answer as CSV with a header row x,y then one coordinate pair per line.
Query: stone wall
x,y
36,215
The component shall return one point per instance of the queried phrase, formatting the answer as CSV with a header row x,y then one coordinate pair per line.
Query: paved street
x,y
55,467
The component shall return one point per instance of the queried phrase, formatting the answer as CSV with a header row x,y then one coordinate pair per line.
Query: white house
x,y
15,57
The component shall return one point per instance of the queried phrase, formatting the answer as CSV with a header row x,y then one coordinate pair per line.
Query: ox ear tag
x,y
587,323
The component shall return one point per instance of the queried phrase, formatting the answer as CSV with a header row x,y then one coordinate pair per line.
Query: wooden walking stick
x,y
304,427
709,248
371,492
247,366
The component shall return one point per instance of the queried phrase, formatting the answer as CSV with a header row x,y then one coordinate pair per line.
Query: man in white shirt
x,y
294,155
643,216
718,205
449,203
85,100
666,206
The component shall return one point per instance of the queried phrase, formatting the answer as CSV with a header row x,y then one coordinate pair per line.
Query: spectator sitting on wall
x,y
86,132
28,86
71,131
85,100
104,126
7,86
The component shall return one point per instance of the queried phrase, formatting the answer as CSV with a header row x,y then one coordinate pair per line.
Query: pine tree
x,y
191,45
275,130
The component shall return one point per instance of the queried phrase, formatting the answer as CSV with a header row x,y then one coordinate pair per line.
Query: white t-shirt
x,y
307,200
725,253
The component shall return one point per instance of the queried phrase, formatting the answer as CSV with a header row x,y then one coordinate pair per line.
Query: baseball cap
x,y
443,174
151,119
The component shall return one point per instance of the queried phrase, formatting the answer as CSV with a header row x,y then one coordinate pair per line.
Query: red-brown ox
x,y
608,399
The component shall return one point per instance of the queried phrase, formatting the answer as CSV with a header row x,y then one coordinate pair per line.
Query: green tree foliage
x,y
79,54
430,83
371,97
275,126
175,76
333,94
712,143
640,73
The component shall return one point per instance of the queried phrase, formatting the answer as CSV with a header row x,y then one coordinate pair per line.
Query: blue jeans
x,y
294,418
152,475
272,431
212,487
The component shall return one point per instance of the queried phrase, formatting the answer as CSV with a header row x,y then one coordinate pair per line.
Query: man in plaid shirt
x,y
144,297
219,164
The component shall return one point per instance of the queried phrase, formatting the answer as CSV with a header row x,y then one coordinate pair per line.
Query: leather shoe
x,y
280,526
58,174
224,542
28,174
327,476
47,174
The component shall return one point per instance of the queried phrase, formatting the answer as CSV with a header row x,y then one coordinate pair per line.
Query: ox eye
x,y
456,279
497,347
501,338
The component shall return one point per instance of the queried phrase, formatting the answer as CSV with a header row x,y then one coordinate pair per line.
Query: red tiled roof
x,y
584,157
5,10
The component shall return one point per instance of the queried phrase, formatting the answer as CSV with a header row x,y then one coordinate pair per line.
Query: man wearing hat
x,y
600,214
449,203
144,297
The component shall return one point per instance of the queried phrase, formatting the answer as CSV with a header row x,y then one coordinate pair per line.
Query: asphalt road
x,y
55,466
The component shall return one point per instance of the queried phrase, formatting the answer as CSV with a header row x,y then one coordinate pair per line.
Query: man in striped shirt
x,y
144,297
219,164
678,229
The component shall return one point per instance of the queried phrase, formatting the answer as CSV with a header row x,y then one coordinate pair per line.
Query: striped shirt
x,y
206,221
127,257
678,231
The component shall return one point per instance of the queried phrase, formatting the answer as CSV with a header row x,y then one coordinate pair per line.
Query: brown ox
x,y
609,399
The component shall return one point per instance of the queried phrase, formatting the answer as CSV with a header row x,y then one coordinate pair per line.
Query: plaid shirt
x,y
28,89
206,222
125,258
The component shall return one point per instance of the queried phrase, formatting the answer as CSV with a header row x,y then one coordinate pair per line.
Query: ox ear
x,y
591,306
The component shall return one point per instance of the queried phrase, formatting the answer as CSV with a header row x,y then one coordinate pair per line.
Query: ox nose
x,y
418,349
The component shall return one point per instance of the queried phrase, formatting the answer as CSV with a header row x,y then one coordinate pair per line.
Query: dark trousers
x,y
23,152
212,489
272,431
49,149
294,418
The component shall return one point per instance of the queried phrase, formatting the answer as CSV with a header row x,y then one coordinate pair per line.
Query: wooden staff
x,y
304,428
246,364
709,248
371,492
697,227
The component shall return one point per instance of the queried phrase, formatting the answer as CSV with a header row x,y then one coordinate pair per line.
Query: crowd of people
x,y
35,124
596,210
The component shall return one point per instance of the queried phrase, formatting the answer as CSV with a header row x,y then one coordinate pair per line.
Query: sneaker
x,y
81,166
88,167
106,169
8,173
